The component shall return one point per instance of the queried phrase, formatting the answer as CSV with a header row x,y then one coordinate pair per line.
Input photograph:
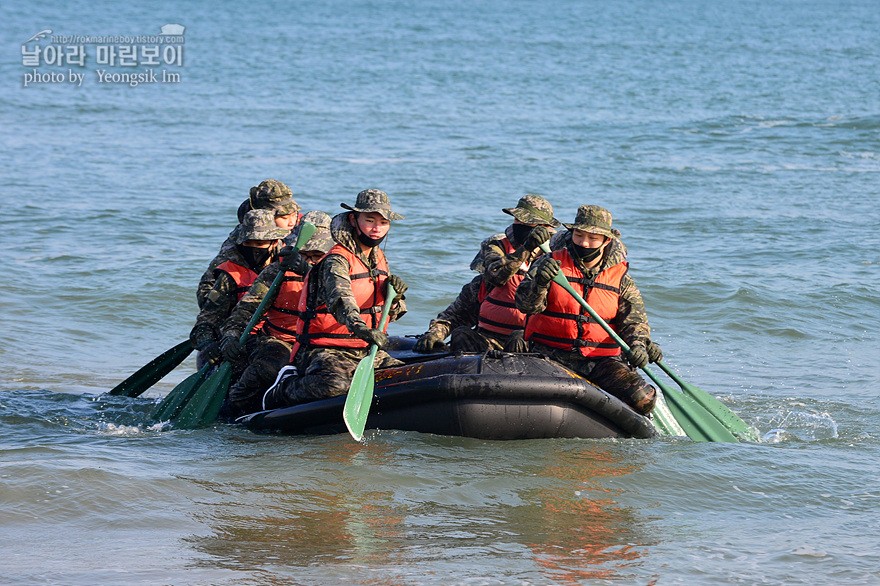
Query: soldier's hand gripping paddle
x,y
152,372
698,423
360,393
201,406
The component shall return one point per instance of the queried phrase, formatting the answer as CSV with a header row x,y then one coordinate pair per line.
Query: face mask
x,y
520,232
584,254
256,257
367,241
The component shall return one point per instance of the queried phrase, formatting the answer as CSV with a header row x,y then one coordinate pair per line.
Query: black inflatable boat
x,y
493,396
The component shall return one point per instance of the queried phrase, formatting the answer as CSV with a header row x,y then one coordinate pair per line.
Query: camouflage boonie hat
x,y
533,210
592,219
258,225
244,208
321,240
373,200
273,195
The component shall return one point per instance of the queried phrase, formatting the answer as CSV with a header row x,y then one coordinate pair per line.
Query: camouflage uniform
x,y
266,354
611,373
270,194
496,268
221,299
325,372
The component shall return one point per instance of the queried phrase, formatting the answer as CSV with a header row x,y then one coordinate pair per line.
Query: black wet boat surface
x,y
494,396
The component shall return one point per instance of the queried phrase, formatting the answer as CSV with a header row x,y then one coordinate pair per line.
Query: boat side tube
x,y
488,406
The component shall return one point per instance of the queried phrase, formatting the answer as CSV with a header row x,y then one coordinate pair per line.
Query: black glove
x,y
538,236
369,335
637,356
430,341
399,287
655,354
548,267
203,338
210,351
232,350
292,260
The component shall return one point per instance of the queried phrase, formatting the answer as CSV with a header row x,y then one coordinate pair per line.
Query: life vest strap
x,y
268,324
307,339
498,324
500,303
573,343
369,275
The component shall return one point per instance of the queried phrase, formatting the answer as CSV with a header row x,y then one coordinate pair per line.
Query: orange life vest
x,y
282,317
243,277
498,312
565,324
317,327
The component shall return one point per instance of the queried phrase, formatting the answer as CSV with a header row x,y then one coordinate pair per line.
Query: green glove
x,y
548,267
232,350
210,351
430,341
369,335
655,354
292,260
399,287
637,356
538,236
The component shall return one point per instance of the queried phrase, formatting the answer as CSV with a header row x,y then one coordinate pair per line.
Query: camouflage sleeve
x,y
499,266
244,309
463,311
531,299
218,303
206,283
632,320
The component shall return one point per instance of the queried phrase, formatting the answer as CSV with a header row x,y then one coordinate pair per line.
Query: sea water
x,y
736,144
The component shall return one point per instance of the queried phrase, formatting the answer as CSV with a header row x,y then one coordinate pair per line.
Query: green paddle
x,y
698,423
360,393
173,402
719,410
152,372
202,408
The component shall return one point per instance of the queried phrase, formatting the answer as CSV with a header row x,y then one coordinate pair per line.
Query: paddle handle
x,y
390,293
386,309
306,231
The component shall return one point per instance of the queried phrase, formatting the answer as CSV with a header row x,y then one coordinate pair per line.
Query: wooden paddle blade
x,y
153,371
360,396
173,402
203,407
719,410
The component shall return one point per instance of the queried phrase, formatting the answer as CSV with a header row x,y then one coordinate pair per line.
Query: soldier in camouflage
x,y
269,194
326,361
256,243
268,349
596,262
461,315
482,317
